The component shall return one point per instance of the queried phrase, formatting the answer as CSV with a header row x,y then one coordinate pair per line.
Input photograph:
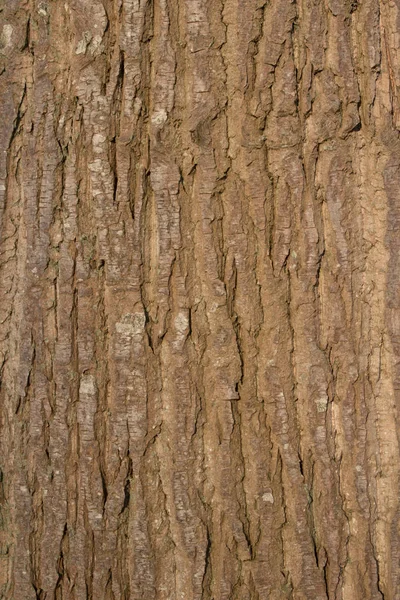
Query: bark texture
x,y
200,299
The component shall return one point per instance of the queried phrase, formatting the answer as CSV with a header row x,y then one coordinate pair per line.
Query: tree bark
x,y
199,297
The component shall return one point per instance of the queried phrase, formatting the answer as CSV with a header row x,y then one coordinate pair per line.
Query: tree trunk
x,y
200,307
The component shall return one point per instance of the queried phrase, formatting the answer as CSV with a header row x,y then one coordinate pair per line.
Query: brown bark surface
x,y
199,299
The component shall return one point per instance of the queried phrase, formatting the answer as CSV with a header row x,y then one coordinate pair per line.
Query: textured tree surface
x,y
200,299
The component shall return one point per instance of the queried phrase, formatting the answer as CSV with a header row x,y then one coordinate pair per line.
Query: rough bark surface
x,y
200,299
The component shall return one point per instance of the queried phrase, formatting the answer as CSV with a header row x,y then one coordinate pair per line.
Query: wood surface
x,y
199,299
